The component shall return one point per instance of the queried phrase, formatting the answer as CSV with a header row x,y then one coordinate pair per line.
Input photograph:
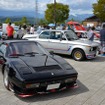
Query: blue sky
x,y
76,6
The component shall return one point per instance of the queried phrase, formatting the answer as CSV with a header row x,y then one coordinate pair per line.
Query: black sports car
x,y
29,69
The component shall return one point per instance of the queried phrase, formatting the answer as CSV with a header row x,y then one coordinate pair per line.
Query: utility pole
x,y
36,12
55,13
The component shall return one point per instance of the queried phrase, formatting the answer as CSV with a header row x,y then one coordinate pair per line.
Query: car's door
x,y
2,52
58,42
43,38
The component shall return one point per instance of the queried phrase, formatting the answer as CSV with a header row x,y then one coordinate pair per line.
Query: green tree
x,y
99,9
17,23
57,14
24,20
7,20
43,22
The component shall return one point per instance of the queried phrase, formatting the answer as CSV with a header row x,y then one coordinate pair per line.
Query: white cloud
x,y
17,4
76,6
80,11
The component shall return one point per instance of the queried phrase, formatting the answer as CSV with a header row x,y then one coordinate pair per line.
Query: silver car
x,y
66,42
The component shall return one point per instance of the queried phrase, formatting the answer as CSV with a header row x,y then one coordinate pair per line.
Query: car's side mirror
x,y
63,38
11,73
51,52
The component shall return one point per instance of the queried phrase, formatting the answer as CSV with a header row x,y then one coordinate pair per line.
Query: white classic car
x,y
66,42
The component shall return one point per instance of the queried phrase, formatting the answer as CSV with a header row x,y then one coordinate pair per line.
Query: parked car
x,y
28,69
76,26
67,42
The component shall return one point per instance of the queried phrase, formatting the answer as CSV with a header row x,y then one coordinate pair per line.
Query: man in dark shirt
x,y
102,39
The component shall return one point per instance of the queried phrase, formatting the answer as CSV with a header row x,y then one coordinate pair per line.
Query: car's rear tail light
x,y
35,85
70,80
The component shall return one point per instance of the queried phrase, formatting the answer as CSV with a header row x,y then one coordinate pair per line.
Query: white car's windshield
x,y
70,35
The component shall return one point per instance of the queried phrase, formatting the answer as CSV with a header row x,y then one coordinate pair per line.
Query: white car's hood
x,y
30,35
85,42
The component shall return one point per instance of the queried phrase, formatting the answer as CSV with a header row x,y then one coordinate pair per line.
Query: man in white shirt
x,y
32,29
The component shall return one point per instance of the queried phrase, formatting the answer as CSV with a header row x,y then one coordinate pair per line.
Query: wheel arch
x,y
3,67
78,49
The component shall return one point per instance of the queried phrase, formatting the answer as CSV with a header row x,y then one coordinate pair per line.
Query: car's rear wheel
x,y
78,55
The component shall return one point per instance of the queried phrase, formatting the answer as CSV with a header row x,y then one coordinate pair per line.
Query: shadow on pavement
x,y
51,96
98,58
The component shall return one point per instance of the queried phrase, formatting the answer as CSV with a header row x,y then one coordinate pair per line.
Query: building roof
x,y
92,18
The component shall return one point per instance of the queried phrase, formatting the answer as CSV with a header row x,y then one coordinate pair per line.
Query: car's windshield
x,y
20,48
70,35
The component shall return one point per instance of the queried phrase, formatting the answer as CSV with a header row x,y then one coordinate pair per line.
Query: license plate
x,y
53,86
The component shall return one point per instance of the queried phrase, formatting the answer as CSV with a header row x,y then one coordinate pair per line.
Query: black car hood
x,y
37,63
39,66
38,60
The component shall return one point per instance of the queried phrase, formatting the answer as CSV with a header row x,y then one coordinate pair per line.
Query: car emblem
x,y
52,73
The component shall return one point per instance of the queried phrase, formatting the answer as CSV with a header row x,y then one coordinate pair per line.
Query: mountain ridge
x,y
31,14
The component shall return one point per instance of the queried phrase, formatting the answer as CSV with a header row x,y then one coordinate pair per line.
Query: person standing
x,y
20,33
10,31
32,29
91,33
68,27
24,28
102,39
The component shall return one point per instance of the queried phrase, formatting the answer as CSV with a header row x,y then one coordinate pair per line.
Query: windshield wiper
x,y
14,55
31,53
